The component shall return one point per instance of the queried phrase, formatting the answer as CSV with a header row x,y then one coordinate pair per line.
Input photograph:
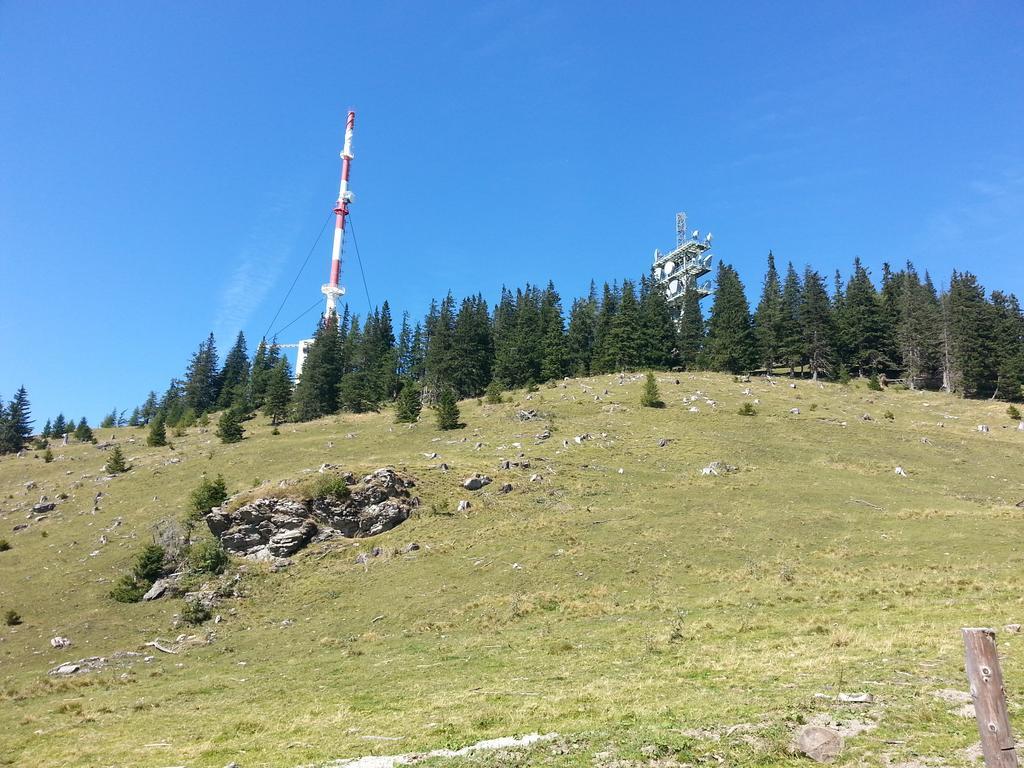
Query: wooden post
x,y
989,698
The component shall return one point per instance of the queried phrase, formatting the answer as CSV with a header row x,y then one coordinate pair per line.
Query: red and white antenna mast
x,y
332,290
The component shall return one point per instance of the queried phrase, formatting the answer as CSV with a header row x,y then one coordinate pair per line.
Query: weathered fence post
x,y
989,696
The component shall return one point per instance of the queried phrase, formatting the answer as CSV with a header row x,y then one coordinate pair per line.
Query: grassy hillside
x,y
649,616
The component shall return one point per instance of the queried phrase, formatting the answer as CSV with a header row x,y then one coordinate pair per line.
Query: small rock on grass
x,y
822,745
476,482
855,698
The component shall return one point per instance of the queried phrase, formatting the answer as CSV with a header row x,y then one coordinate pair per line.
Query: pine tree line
x,y
962,340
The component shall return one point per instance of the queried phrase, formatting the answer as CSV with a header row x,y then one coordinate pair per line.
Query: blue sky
x,y
165,168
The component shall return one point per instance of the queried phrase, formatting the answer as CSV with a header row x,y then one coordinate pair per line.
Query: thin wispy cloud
x,y
982,228
256,272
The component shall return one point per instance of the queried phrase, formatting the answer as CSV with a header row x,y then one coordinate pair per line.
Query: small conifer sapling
x,y
115,462
157,433
229,428
447,411
651,397
409,404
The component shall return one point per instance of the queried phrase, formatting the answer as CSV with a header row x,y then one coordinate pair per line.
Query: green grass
x,y
651,611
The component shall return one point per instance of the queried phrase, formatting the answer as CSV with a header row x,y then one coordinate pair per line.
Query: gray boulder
x,y
822,745
273,527
476,482
288,541
158,589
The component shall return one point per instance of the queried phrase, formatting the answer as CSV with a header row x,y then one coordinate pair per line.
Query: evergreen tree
x,y
47,430
172,404
110,420
817,322
279,392
375,357
60,426
528,335
447,410
357,392
789,336
471,348
605,356
553,352
651,397
83,432
202,380
115,462
15,423
149,408
768,318
229,427
440,362
258,371
621,349
890,301
157,436
407,408
135,420
730,339
1009,344
970,331
506,365
918,328
317,392
404,357
418,353
860,325
386,355
691,328
657,329
581,335
234,376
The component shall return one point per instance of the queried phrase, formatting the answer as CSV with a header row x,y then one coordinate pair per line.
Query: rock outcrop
x,y
279,527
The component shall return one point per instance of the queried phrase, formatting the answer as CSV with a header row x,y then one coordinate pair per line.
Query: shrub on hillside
x,y
149,564
194,612
1013,412
12,618
147,568
747,409
4,545
873,383
48,456
492,396
329,486
207,495
208,556
127,590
